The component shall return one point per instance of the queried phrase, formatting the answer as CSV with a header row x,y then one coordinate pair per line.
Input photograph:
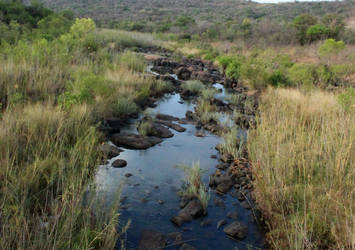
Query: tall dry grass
x,y
48,158
304,165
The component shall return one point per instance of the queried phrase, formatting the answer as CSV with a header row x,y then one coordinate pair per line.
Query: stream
x,y
152,182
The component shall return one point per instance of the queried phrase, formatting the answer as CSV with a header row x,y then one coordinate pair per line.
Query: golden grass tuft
x,y
304,164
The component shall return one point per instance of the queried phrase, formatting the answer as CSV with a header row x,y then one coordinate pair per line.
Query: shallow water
x,y
155,177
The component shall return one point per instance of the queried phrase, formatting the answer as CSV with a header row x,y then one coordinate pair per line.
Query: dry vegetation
x,y
303,161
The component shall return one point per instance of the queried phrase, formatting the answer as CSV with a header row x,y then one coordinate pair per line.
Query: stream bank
x,y
147,167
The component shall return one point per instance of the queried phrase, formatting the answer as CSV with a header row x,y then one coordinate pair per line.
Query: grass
x,y
208,94
194,86
194,185
235,99
303,162
207,112
232,144
133,61
42,192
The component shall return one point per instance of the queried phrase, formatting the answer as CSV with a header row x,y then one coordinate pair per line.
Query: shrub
x,y
317,32
301,74
125,106
278,78
233,70
330,46
225,60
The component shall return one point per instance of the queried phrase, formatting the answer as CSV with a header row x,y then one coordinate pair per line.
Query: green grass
x,y
194,185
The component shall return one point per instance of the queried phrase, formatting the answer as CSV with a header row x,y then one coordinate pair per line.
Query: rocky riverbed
x,y
175,134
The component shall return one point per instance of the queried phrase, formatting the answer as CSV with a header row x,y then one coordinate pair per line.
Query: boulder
x,y
233,215
200,133
109,151
151,239
119,163
183,73
134,141
192,210
236,230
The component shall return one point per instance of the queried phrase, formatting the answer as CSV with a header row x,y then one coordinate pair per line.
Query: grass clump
x,y
133,61
208,94
232,144
193,185
235,99
303,160
193,86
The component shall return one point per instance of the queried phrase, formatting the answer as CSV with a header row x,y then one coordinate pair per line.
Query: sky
x,y
284,1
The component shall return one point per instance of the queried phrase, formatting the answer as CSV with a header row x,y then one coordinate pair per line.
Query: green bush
x,y
278,78
233,69
330,46
301,74
317,32
225,60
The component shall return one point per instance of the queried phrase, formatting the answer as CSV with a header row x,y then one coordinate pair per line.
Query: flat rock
x,y
109,151
171,125
134,141
119,163
165,117
200,133
151,239
236,230
186,246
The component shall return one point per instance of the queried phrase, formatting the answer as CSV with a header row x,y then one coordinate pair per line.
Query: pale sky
x,y
284,1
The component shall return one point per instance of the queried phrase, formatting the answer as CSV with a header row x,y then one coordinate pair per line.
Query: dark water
x,y
155,177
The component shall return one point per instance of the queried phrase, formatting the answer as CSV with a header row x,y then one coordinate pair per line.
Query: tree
x,y
317,32
301,24
335,23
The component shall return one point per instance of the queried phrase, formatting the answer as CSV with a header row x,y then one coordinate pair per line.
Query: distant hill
x,y
211,11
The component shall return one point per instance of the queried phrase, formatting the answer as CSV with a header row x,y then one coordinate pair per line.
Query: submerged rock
x,y
119,163
236,230
233,215
134,141
186,246
151,239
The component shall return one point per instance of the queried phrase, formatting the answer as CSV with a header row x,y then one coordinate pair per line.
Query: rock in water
x,y
236,230
192,210
221,223
133,141
186,246
109,151
151,240
165,117
119,163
